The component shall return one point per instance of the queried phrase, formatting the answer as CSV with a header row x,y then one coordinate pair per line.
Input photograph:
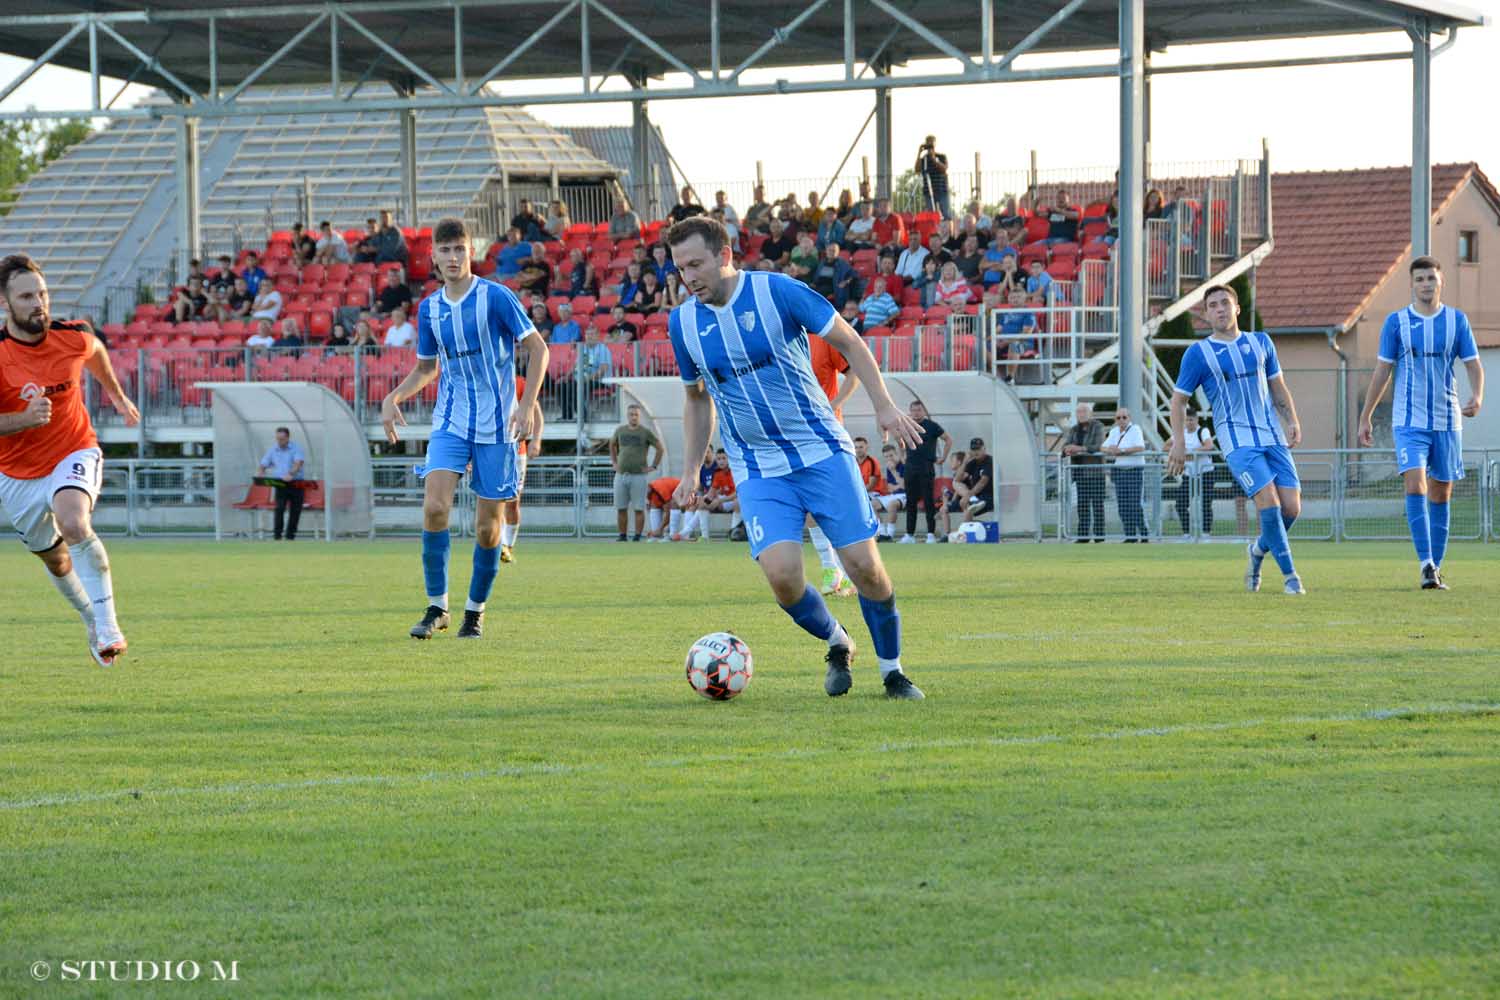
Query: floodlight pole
x,y
640,152
1132,273
884,177
1421,148
189,239
407,120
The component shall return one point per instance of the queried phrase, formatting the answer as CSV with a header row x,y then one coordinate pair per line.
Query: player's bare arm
x,y
846,389
536,369
888,416
1378,381
697,429
1281,396
538,424
98,366
1177,454
38,413
390,408
1476,384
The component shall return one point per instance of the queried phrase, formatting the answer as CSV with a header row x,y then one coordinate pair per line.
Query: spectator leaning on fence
x,y
1125,444
1082,450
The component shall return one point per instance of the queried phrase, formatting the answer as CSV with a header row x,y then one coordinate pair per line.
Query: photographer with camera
x,y
932,167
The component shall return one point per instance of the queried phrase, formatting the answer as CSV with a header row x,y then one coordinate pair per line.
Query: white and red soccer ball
x,y
718,666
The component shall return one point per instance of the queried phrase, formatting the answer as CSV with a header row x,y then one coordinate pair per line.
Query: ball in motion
x,y
718,666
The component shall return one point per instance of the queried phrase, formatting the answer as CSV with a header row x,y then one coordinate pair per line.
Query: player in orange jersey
x,y
827,365
659,498
510,510
51,467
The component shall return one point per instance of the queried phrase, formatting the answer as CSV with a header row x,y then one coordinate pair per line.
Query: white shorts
x,y
890,501
28,502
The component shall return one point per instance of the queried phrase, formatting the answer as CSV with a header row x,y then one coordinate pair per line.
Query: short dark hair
x,y
449,229
1424,262
15,264
721,451
715,236
284,430
1226,289
864,439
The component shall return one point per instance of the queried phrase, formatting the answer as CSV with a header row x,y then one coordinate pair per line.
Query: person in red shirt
x,y
721,496
51,468
890,228
510,510
659,498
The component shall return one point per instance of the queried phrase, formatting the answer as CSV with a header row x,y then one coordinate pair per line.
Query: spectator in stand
x,y
621,330
833,277
267,304
879,307
778,249
758,215
983,221
860,233
365,252
189,303
631,283
629,446
1124,444
1015,232
304,247
624,224
558,219
536,273
894,283
687,207
253,273
661,264
850,312
969,258
1155,205
364,337
1178,203
909,264
932,170
812,215
864,196
969,226
237,304
394,294
952,290
1018,331
331,248
291,335
526,221
1063,216
648,296
513,253
581,277
921,463
401,333
731,228
673,293
721,203
223,276
790,213
263,337
936,252
927,284
890,230
973,487
217,304
953,241
804,259
594,360
1039,281
338,338
992,269
566,330
830,230
846,210
390,245
1082,448
1011,275
892,498
541,318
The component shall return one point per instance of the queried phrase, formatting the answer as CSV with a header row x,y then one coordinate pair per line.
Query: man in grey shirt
x,y
627,455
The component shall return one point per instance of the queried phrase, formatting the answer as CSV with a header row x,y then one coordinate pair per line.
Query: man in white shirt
x,y
262,338
1124,443
1200,449
909,264
400,333
267,304
721,203
331,247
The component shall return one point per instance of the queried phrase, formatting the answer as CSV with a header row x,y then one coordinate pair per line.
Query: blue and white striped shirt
x,y
753,356
475,338
1422,350
1236,375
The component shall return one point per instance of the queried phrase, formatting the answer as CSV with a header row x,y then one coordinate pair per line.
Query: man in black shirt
x,y
1081,448
394,294
778,249
932,168
920,464
687,208
531,225
969,258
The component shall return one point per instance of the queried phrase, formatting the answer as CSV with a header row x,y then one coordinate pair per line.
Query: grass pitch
x,y
1130,779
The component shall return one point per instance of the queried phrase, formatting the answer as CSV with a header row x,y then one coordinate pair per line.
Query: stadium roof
x,y
529,39
1339,235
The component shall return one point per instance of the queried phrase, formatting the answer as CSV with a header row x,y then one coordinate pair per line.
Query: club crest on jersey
x,y
747,321
1245,348
30,391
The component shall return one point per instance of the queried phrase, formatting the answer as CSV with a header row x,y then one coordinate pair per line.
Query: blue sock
x,y
435,563
1437,520
1421,529
811,612
1273,540
486,565
885,626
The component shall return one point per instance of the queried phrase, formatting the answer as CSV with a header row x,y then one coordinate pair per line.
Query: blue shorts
x,y
1256,468
1439,453
776,509
491,467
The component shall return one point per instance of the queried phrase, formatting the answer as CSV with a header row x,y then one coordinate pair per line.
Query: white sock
x,y
508,533
674,522
839,637
824,548
703,522
91,563
734,519
689,522
888,666
72,590
473,605
654,520
440,601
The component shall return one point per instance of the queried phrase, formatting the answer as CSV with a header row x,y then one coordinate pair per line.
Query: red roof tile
x,y
1339,233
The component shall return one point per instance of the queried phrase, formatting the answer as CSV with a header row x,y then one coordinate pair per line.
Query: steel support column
x,y
408,130
189,240
1131,249
1421,147
641,197
884,177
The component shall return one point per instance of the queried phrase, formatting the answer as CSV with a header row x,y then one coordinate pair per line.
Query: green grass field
x,y
1130,779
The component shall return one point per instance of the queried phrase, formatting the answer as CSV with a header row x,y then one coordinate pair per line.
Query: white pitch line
x,y
444,777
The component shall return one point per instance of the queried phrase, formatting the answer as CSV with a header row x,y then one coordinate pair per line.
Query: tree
x,y
28,146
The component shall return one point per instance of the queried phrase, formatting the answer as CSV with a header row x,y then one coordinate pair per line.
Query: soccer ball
x,y
718,666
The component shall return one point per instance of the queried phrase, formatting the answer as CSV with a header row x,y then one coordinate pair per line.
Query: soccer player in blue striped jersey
x,y
1420,343
468,335
1239,373
741,342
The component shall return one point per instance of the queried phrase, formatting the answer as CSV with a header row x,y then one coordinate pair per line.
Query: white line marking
x,y
444,777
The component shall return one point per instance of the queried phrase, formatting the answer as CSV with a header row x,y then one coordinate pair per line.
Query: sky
x,y
1314,118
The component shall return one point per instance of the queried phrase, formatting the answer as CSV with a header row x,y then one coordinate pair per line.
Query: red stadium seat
x,y
1063,268
419,267
584,305
1037,228
657,358
622,359
878,331
313,274
320,323
1096,250
561,360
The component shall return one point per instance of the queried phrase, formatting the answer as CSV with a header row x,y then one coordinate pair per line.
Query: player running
x,y
742,349
51,468
1242,378
477,327
1421,342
